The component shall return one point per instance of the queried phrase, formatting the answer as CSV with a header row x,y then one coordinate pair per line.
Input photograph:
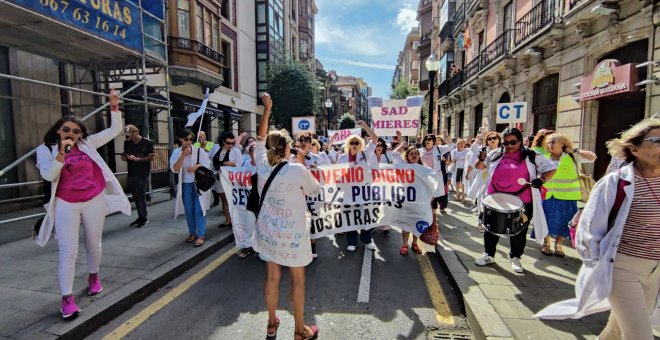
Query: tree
x,y
404,89
295,92
346,121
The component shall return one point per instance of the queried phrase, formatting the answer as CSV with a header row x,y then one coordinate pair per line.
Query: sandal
x,y
245,252
403,250
191,238
546,252
269,327
416,248
304,336
199,242
559,252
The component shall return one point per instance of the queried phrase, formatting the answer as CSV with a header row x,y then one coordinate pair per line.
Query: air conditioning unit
x,y
415,44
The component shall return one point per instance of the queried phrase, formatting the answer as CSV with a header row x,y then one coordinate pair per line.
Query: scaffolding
x,y
88,71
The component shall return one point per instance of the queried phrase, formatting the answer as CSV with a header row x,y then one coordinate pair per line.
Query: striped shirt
x,y
641,233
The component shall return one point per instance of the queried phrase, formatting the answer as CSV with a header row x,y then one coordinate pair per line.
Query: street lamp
x,y
432,65
328,105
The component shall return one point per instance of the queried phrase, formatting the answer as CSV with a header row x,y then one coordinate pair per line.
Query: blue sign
x,y
304,124
421,226
117,21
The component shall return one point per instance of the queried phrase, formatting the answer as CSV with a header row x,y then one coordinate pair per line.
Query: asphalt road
x,y
409,297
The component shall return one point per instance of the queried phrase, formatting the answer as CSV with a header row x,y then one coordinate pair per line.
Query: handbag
x,y
204,177
430,235
587,182
257,209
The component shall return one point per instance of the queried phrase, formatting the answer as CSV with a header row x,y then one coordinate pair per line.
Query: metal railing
x,y
573,3
197,47
499,47
472,68
459,16
455,82
536,19
425,39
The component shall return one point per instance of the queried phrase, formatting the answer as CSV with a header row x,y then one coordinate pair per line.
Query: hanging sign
x,y
609,78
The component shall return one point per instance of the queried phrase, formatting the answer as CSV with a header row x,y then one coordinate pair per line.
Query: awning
x,y
213,110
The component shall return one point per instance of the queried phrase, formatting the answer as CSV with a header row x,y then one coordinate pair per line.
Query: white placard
x,y
511,113
390,116
303,124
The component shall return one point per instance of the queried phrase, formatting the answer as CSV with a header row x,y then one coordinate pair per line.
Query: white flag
x,y
192,117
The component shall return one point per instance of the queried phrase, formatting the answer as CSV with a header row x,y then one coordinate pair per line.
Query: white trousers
x,y
68,217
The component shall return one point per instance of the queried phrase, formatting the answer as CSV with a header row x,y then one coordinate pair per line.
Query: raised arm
x,y
263,126
101,138
369,130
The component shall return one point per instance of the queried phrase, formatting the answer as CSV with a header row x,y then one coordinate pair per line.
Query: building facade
x,y
408,61
539,52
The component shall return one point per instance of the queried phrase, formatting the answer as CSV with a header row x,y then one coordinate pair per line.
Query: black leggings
x,y
517,241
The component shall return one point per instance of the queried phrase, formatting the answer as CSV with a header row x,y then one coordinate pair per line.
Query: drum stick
x,y
522,181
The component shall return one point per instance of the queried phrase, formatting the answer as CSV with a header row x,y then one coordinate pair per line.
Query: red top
x,y
81,178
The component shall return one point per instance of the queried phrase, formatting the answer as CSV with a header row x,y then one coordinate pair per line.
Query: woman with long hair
x,y
505,167
411,156
477,190
618,239
563,190
184,161
83,190
539,142
273,149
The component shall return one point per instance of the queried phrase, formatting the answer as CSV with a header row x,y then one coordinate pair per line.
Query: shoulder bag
x,y
204,177
254,193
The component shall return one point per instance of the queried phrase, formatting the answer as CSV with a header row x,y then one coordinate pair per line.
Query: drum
x,y
502,214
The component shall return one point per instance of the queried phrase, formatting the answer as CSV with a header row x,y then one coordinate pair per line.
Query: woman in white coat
x,y
621,253
83,190
431,156
477,189
184,161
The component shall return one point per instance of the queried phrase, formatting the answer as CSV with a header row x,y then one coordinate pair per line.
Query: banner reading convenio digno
x,y
390,116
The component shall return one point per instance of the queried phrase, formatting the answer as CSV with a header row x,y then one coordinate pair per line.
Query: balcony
x,y
193,62
538,18
455,82
425,39
502,45
198,47
459,18
472,68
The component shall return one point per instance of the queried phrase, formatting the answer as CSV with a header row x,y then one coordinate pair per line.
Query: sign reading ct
x,y
303,124
511,113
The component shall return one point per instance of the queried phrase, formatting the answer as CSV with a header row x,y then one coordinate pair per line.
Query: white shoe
x,y
350,248
516,266
371,246
485,259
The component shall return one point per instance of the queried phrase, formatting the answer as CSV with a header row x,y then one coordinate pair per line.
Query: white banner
x,y
511,113
342,135
390,116
359,197
237,185
303,124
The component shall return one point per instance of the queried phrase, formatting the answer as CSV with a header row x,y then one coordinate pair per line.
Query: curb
x,y
114,304
484,321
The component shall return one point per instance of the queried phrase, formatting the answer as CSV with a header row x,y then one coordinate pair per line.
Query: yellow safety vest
x,y
565,184
208,147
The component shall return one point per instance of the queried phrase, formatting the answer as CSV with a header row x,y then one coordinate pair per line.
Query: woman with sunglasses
x,y
357,154
225,153
304,146
431,156
184,162
318,148
83,190
477,189
411,156
620,250
504,168
384,156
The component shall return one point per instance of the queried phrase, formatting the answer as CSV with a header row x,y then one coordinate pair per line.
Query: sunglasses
x,y
428,140
654,140
304,139
355,143
189,139
492,138
230,143
67,129
512,143
380,145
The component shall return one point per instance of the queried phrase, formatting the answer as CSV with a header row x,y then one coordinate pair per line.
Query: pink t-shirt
x,y
81,178
506,175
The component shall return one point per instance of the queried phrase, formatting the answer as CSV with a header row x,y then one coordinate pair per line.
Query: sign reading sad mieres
x,y
390,116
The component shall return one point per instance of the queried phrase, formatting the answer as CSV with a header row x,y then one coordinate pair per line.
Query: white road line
x,y
365,278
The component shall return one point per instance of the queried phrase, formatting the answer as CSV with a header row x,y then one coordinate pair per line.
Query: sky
x,y
362,38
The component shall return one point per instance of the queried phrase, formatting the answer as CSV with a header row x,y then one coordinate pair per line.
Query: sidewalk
x,y
499,303
135,263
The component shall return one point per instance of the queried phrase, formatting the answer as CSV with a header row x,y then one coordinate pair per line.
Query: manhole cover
x,y
449,336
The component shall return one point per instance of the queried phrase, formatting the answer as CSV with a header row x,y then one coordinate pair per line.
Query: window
x,y
199,23
446,62
183,18
508,15
461,123
544,104
216,33
478,118
482,41
227,73
208,38
225,10
448,127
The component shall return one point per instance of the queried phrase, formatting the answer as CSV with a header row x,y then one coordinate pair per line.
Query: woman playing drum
x,y
506,167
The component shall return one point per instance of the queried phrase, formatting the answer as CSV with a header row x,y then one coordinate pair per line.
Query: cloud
x,y
361,64
406,20
361,40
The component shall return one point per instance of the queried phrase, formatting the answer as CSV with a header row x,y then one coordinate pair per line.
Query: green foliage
x,y
295,92
404,90
346,121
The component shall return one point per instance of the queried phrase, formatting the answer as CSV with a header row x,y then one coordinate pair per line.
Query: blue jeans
x,y
365,237
194,214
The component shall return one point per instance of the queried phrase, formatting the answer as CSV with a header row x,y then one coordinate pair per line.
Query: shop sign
x,y
609,78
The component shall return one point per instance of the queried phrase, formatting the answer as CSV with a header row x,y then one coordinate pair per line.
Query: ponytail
x,y
276,143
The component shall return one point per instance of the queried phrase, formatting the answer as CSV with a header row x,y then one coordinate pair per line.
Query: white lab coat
x,y
363,158
544,165
205,197
438,151
50,169
598,249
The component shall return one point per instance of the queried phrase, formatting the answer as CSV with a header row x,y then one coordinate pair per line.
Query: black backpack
x,y
254,202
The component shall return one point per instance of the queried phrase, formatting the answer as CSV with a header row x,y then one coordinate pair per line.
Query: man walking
x,y
225,154
138,154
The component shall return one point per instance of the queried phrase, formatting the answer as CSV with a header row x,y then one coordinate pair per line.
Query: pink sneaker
x,y
95,286
68,308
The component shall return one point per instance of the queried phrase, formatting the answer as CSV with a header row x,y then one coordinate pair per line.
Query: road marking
x,y
442,311
152,309
365,278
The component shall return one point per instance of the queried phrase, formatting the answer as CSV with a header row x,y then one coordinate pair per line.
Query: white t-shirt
x,y
312,160
189,161
459,157
282,234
